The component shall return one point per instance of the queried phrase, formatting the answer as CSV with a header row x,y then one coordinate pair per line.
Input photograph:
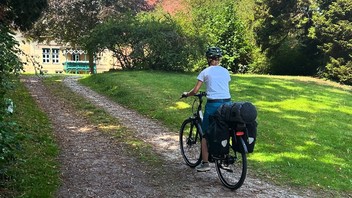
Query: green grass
x,y
304,131
103,121
34,173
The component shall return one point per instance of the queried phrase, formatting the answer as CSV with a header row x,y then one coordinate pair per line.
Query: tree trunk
x,y
91,62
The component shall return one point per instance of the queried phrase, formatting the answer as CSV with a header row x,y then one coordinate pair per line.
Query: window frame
x,y
46,55
55,56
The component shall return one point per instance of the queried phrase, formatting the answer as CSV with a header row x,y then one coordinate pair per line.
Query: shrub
x,y
339,71
9,65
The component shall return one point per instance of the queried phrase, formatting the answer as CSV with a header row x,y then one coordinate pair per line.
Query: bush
x,y
9,65
144,42
339,71
160,44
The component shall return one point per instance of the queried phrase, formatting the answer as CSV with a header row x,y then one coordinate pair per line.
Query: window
x,y
75,57
46,55
55,55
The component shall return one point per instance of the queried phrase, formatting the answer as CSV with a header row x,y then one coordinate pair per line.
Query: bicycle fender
x,y
243,145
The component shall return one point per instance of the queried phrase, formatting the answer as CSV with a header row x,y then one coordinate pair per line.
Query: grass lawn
x,y
35,172
304,131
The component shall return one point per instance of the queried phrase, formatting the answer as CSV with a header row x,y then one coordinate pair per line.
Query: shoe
x,y
203,167
226,167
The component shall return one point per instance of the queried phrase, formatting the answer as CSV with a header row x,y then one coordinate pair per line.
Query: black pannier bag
x,y
250,137
217,136
241,113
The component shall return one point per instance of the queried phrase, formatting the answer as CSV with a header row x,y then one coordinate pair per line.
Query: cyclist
x,y
216,79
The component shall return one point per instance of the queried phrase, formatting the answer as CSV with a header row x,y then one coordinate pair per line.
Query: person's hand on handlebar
x,y
184,95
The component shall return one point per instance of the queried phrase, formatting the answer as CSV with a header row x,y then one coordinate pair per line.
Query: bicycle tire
x,y
190,142
232,170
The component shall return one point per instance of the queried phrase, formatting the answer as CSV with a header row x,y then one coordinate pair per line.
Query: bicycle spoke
x,y
190,143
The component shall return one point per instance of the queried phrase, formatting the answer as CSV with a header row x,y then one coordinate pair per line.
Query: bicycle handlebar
x,y
199,95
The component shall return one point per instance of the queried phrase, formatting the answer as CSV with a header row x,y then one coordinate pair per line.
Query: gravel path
x,y
94,165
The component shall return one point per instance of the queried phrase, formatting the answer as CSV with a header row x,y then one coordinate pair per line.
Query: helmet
x,y
213,52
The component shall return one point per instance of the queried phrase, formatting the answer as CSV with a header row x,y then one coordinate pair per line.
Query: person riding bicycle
x,y
216,79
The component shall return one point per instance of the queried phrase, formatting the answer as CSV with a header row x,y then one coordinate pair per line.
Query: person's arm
x,y
195,88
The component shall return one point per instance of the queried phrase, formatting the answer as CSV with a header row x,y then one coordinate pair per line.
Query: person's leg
x,y
204,166
205,153
210,109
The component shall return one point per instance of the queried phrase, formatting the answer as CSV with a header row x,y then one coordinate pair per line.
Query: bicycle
x,y
232,167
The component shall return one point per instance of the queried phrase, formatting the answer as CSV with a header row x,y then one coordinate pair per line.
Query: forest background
x,y
310,38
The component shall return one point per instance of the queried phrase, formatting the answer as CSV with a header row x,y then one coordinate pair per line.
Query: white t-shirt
x,y
217,80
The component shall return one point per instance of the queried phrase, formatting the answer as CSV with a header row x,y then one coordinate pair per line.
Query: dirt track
x,y
95,165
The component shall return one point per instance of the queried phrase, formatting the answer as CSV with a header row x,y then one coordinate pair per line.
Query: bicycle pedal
x,y
228,169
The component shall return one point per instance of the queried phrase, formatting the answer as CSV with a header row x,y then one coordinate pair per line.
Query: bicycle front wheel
x,y
190,142
232,170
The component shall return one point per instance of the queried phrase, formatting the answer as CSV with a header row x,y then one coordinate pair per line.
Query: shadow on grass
x,y
303,132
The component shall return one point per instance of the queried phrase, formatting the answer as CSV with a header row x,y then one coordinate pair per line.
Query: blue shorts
x,y
210,109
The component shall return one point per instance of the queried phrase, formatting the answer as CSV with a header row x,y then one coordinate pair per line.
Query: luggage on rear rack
x,y
226,117
218,137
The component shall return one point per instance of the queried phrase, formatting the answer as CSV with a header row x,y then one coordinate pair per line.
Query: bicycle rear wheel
x,y
232,170
190,142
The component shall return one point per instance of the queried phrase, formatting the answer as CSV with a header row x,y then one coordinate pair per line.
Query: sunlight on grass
x,y
303,123
306,146
298,104
180,105
283,84
332,159
265,157
268,106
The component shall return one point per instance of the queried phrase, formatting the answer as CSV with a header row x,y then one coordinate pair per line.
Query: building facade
x,y
55,58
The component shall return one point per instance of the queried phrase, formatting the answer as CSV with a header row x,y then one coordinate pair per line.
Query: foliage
x,y
245,10
143,42
339,70
232,39
13,15
69,21
161,44
317,33
9,65
333,28
21,14
282,33
217,22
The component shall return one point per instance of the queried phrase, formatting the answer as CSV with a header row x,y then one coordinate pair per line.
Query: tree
x,y
282,33
14,14
218,24
144,41
302,36
69,21
333,28
20,14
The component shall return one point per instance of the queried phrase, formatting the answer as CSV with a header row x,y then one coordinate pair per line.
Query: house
x,y
55,58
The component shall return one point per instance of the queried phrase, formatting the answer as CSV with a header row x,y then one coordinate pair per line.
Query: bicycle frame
x,y
198,114
232,167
